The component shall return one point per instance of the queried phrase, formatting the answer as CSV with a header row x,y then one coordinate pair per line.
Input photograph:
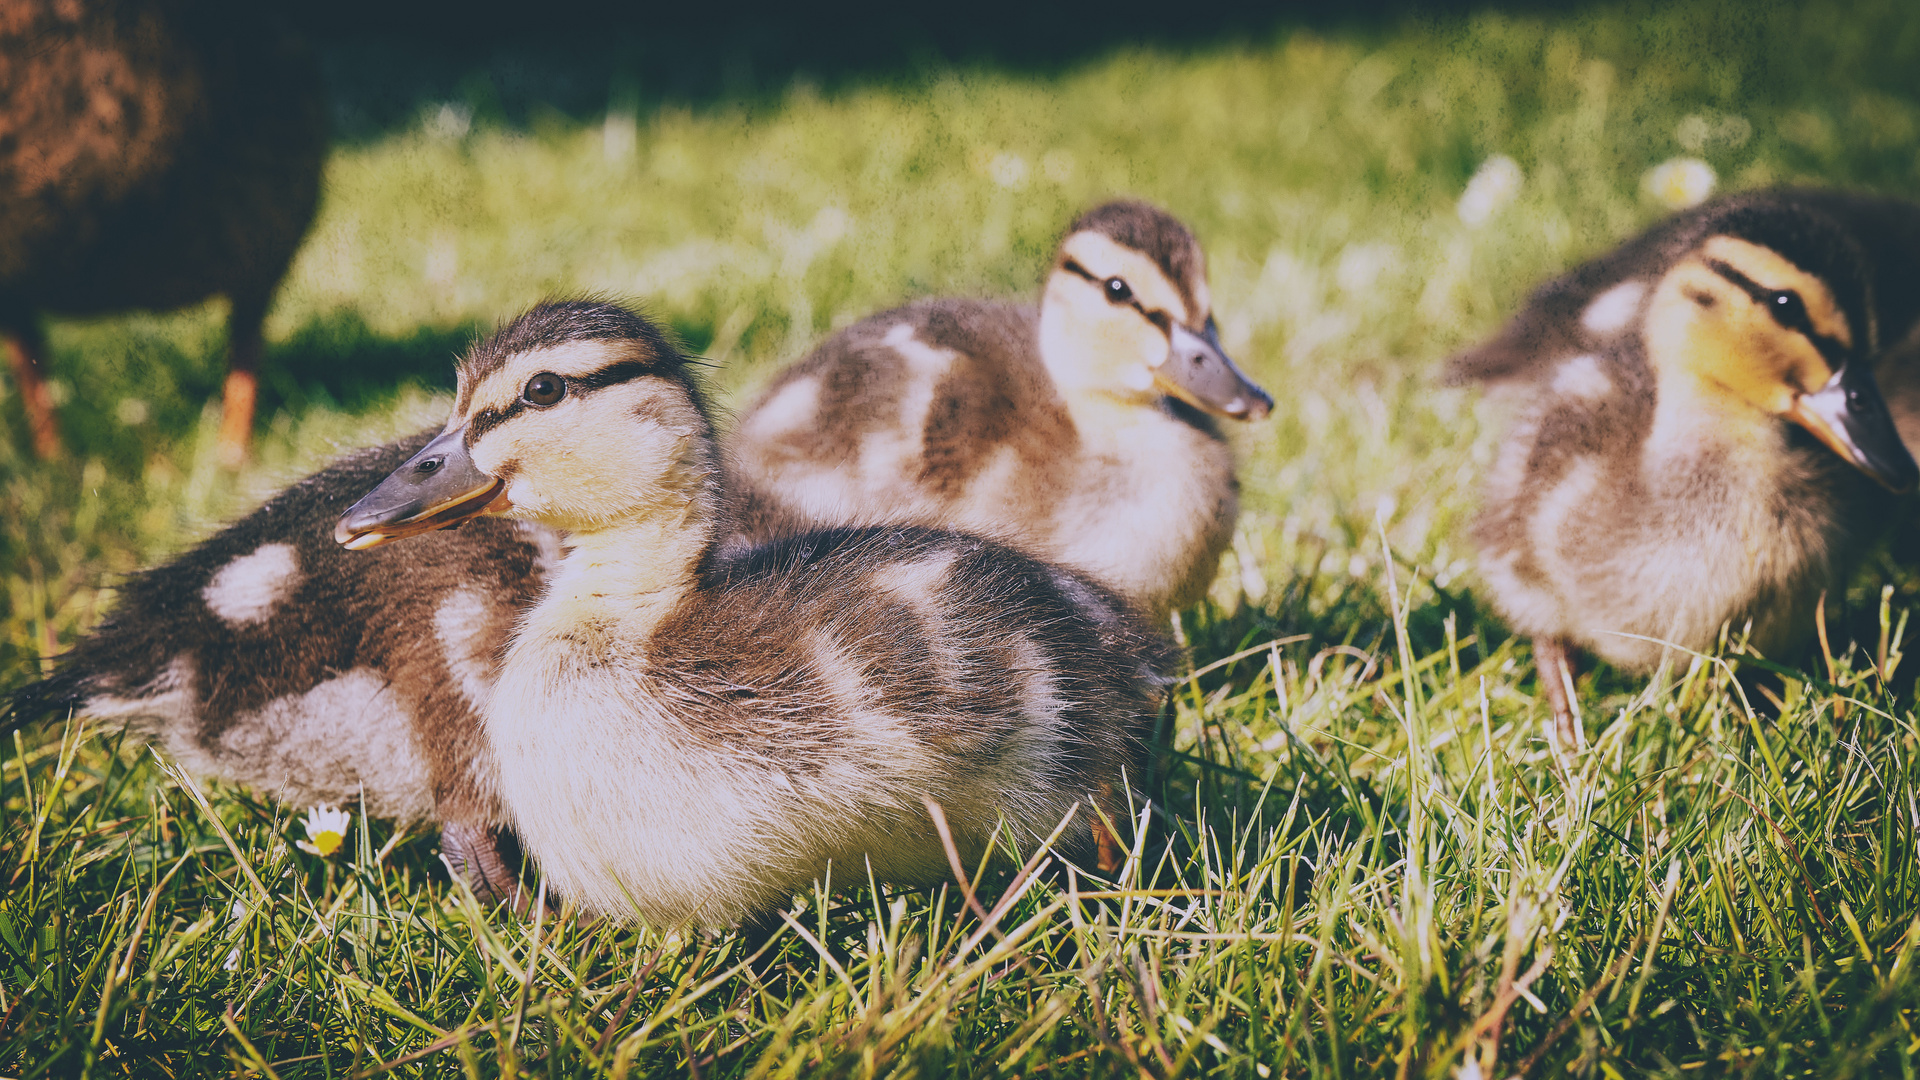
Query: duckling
x,y
1082,431
690,733
151,155
268,656
1697,431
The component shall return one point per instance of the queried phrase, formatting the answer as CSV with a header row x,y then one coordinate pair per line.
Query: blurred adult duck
x,y
152,155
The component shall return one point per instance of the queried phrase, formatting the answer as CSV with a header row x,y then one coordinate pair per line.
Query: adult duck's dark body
x,y
152,155
688,734
1698,438
420,646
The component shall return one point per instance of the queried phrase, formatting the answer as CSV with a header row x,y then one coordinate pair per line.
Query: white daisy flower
x,y
1679,182
233,959
1494,185
326,829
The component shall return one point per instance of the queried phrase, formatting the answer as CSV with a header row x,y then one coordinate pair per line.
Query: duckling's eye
x,y
1789,310
544,389
1118,291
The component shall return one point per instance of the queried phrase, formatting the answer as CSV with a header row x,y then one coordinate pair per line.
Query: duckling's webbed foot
x,y
474,853
1553,659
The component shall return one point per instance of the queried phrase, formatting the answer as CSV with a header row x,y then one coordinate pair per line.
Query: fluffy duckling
x,y
268,656
1697,432
690,734
1081,432
152,155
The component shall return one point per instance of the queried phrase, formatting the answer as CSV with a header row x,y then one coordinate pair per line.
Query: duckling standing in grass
x,y
1081,432
1698,438
152,155
691,735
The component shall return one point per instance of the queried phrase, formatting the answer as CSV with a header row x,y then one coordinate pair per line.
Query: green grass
x,y
1369,863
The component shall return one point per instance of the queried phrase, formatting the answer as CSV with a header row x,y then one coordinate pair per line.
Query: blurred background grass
x,y
756,188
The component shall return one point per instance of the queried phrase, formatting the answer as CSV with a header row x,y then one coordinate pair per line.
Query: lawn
x,y
1367,861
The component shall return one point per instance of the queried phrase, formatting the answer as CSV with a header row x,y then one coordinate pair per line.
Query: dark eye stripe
x,y
1158,318
1830,348
487,419
612,375
1747,285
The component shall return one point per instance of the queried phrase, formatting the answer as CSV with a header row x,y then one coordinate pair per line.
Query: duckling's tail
x,y
58,694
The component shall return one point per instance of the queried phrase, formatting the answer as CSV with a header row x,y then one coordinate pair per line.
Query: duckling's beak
x,y
1198,372
1849,415
435,488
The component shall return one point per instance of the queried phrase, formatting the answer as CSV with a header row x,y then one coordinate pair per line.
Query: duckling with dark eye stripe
x,y
690,735
1698,438
1082,431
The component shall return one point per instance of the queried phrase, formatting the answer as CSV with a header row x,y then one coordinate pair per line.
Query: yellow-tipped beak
x,y
438,487
1198,371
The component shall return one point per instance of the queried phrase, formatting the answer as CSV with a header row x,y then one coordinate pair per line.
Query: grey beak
x,y
1198,371
435,488
1849,415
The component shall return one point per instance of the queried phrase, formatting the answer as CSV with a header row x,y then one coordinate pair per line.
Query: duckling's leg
x,y
244,349
766,961
1110,855
1553,659
26,353
473,852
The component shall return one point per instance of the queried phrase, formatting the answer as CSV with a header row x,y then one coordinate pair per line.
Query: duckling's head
x,y
1127,313
1769,305
577,414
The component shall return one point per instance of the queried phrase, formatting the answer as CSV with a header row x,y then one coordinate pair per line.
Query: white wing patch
x,y
546,548
1581,377
346,735
917,583
460,622
791,409
245,590
1612,310
167,699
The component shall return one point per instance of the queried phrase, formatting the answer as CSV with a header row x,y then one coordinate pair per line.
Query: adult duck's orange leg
x,y
26,355
244,348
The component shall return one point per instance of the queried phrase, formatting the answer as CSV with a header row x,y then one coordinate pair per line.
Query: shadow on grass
x,y
132,384
138,384
339,361
390,64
